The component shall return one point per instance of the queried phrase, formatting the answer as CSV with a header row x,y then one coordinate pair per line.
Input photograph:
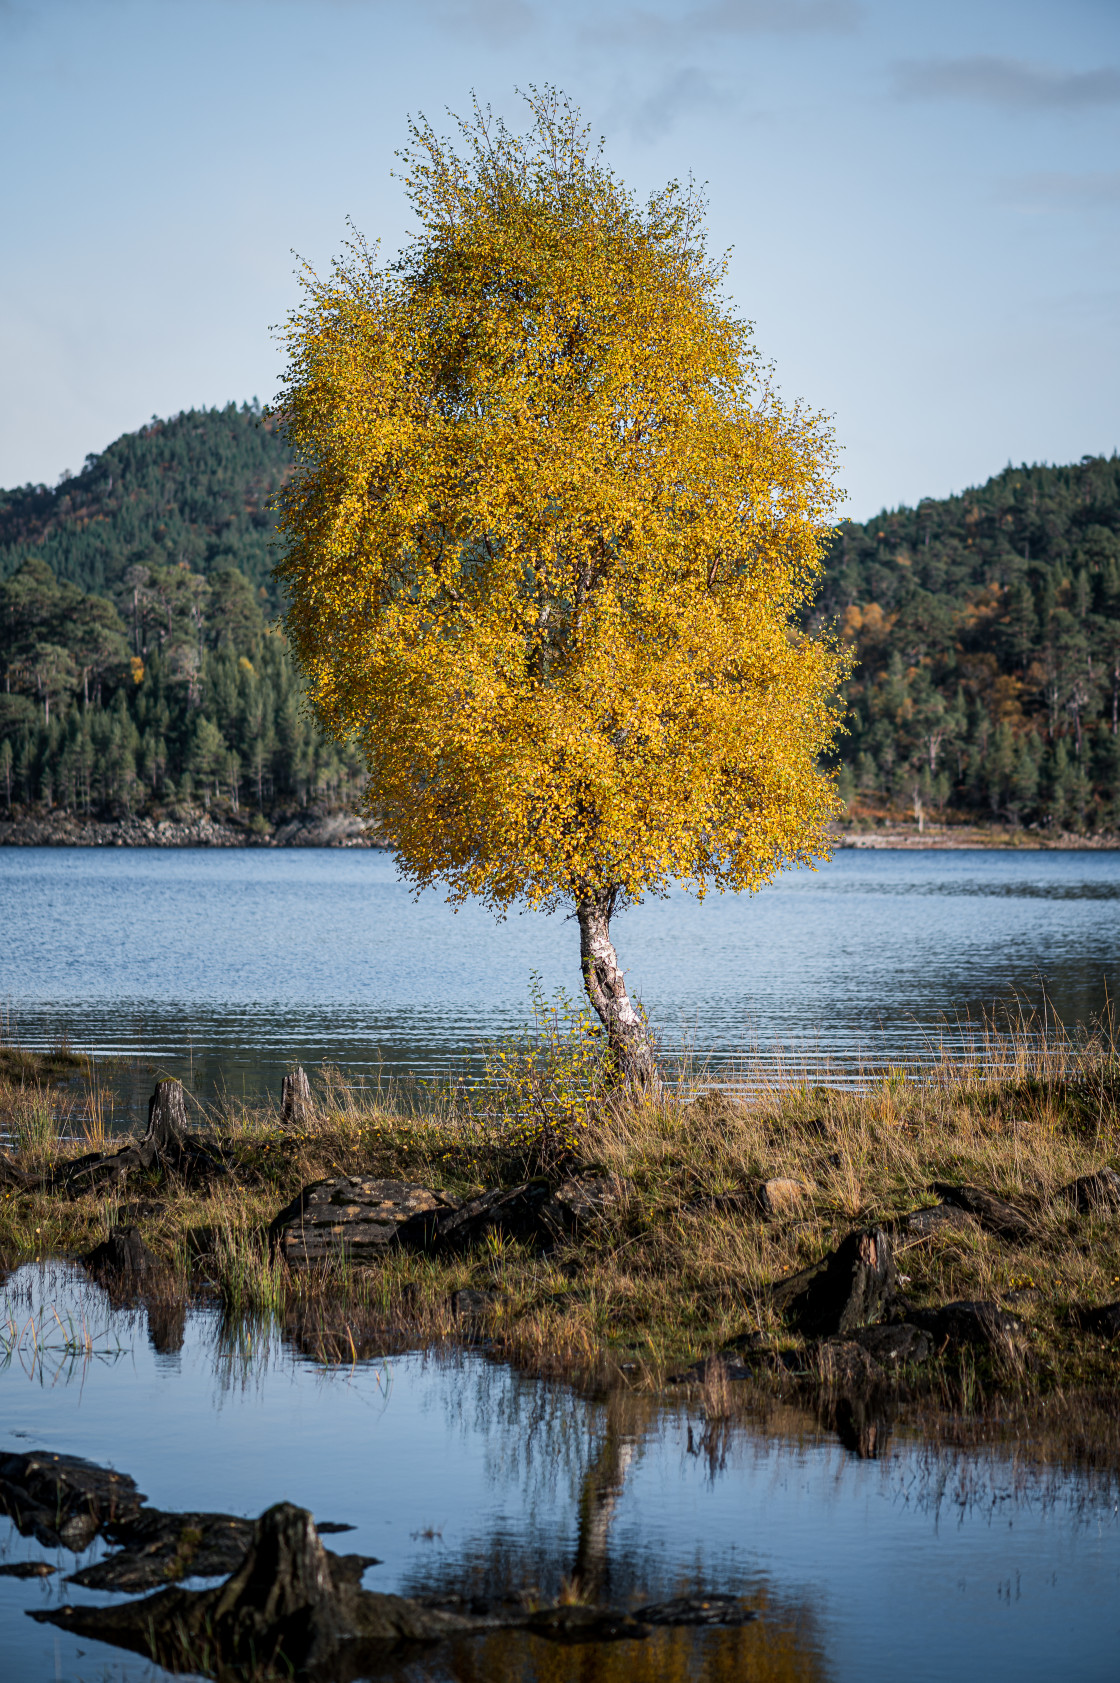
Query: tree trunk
x,y
606,988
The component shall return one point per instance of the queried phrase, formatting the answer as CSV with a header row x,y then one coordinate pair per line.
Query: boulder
x,y
1095,1194
579,1202
1104,1320
64,1500
935,1218
853,1286
982,1326
898,1345
472,1303
356,1217
994,1214
782,1196
515,1212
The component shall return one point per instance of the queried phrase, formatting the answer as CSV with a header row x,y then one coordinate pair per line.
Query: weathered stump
x,y
851,1287
295,1097
167,1144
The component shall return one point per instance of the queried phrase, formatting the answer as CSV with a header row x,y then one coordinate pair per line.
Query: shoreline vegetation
x,y
219,825
935,1253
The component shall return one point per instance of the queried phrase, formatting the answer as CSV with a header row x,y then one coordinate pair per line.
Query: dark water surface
x,y
225,966
458,1473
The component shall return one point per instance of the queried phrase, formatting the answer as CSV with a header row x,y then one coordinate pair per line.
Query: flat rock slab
x,y
1095,1194
514,1212
356,1217
935,1218
160,1548
64,1500
994,1214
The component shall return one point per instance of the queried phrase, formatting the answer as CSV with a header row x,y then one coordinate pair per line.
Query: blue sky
x,y
923,201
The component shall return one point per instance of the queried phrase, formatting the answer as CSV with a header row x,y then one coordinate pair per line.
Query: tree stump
x,y
851,1287
295,1101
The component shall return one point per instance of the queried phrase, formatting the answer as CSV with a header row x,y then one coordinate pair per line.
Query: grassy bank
x,y
682,1265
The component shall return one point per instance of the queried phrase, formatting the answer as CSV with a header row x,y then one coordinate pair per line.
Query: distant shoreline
x,y
340,829
308,829
957,837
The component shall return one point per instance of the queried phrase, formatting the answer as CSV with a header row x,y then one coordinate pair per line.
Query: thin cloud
x,y
1061,190
680,95
1010,83
733,17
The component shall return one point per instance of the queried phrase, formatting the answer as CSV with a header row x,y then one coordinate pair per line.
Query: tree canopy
x,y
549,537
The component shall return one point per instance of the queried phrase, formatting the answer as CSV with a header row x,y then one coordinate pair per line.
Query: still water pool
x,y
460,1475
225,966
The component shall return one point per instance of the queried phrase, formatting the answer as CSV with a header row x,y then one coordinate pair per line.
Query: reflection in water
x,y
474,1485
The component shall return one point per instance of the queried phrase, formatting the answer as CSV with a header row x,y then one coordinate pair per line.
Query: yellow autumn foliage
x,y
550,535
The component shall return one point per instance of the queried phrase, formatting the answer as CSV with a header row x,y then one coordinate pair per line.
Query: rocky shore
x,y
310,828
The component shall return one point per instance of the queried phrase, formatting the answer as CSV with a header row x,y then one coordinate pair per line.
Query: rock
x,y
993,1214
851,1287
472,1303
356,1217
290,1608
295,1101
897,1345
919,1224
1095,1194
983,1326
696,1610
123,1259
515,1212
63,1500
27,1569
1104,1321
159,1548
779,1197
578,1203
13,1178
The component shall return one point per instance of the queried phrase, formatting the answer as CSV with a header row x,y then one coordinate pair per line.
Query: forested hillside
x,y
987,629
138,668
194,489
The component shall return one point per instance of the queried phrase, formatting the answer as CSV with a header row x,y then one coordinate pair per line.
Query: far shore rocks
x,y
310,828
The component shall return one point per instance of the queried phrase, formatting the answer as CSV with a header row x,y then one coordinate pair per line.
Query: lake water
x,y
460,1474
224,967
